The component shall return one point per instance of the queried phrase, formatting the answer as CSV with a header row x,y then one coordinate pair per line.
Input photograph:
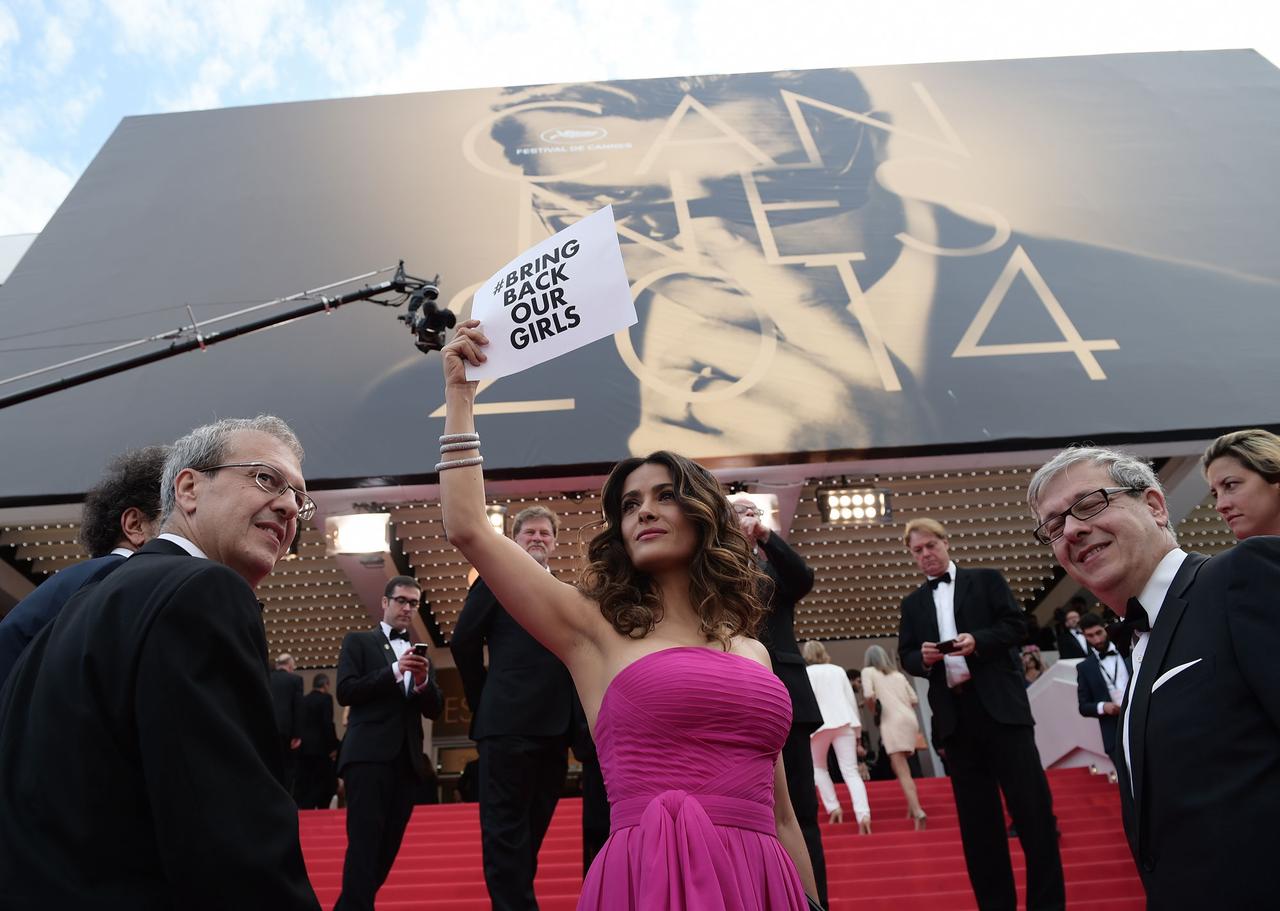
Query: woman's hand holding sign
x,y
464,348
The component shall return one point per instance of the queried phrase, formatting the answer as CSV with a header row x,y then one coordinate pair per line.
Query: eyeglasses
x,y
1086,507
406,602
270,481
747,511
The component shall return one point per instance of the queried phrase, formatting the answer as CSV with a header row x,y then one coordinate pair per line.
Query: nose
x,y
286,505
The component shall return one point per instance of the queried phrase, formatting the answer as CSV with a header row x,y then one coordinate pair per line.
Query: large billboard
x,y
823,261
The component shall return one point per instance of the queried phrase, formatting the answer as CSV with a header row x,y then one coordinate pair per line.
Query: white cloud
x,y
56,47
205,92
9,35
30,189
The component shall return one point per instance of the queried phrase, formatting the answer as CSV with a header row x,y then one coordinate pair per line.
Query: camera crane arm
x,y
422,293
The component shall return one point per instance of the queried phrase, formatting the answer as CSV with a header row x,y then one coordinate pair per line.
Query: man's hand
x,y
416,665
929,653
966,645
1110,708
753,528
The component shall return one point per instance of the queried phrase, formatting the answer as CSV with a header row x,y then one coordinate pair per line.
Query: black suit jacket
x,y
318,735
1068,646
286,696
34,612
792,580
1091,688
139,762
526,690
1205,745
384,718
985,608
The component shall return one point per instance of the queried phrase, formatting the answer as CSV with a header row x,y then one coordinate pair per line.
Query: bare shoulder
x,y
751,648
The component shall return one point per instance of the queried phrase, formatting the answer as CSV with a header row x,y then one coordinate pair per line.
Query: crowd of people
x,y
671,665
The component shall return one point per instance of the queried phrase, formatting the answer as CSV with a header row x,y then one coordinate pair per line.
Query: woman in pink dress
x,y
884,683
687,716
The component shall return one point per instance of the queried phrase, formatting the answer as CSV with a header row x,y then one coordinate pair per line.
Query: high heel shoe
x,y
864,825
921,821
836,816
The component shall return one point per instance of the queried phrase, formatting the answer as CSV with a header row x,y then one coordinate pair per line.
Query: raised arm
x,y
553,612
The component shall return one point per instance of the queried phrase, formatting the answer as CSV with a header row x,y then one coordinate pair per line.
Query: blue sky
x,y
69,71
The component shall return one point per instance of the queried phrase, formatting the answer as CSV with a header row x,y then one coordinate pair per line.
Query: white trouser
x,y
845,743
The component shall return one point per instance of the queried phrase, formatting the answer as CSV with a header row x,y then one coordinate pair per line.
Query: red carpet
x,y
895,868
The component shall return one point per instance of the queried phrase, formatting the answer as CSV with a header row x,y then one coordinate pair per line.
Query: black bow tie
x,y
1135,621
934,583
1109,653
397,634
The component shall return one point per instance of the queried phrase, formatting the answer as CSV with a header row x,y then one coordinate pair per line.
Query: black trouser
x,y
595,811
379,804
985,757
797,762
520,783
290,764
317,782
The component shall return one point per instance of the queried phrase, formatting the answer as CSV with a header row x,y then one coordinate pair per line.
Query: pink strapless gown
x,y
687,739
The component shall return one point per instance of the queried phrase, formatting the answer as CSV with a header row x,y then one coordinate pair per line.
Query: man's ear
x,y
186,487
135,527
1156,503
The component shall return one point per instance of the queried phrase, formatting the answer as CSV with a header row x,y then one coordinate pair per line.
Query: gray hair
x,y
1125,469
207,446
879,659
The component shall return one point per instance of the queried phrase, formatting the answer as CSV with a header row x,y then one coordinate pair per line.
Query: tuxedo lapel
x,y
1160,637
379,641
960,601
928,614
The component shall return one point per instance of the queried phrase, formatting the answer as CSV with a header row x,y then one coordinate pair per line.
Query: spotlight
x,y
854,505
497,518
362,533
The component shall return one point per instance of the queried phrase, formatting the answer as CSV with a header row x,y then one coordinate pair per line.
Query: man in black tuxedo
x,y
390,689
1102,680
141,767
1071,639
792,579
317,775
120,515
522,722
981,719
286,699
1198,756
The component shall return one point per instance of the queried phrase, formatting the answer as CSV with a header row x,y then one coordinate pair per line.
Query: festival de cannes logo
x,y
559,136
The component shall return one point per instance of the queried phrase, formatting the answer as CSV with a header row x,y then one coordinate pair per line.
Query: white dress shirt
x,y
1151,598
1080,639
399,647
944,605
185,544
1116,676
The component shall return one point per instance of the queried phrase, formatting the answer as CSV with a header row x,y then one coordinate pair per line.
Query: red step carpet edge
x,y
439,866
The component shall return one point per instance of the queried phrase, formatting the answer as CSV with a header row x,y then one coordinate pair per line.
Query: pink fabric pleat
x,y
687,739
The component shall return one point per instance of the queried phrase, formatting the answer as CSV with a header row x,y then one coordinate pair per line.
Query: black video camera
x,y
427,321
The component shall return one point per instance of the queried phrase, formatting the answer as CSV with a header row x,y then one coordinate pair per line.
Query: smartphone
x,y
947,646
420,648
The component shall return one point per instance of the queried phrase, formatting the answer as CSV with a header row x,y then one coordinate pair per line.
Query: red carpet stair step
x,y
894,869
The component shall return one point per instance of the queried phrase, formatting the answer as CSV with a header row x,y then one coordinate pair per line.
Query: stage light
x,y
854,505
362,533
497,518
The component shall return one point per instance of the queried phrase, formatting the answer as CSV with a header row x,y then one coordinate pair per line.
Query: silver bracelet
x,y
459,463
460,438
458,447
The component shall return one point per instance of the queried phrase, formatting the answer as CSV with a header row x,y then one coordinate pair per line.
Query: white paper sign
x,y
560,294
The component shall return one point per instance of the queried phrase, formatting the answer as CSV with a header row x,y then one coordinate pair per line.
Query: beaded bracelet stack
x,y
459,442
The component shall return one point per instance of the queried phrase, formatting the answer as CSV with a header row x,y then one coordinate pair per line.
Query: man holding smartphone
x,y
390,685
958,630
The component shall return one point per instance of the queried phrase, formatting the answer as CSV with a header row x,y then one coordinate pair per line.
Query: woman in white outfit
x,y
840,729
899,730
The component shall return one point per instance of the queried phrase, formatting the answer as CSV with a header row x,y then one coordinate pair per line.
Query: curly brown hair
x,y
724,581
